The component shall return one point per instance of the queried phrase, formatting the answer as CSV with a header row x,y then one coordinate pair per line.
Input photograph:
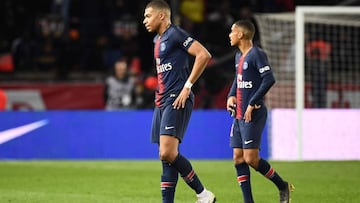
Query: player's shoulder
x,y
176,31
258,50
175,28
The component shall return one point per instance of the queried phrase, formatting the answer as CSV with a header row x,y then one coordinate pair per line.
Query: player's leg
x,y
168,183
167,152
169,176
262,166
243,175
252,133
189,175
269,172
170,154
241,167
174,123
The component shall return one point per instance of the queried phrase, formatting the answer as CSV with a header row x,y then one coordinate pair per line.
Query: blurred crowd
x,y
65,36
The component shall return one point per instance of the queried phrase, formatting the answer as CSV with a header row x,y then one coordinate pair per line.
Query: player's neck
x,y
163,28
245,47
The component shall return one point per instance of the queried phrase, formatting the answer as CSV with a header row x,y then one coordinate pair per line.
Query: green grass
x,y
138,182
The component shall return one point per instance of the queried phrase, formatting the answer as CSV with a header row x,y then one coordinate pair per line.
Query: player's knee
x,y
167,156
252,161
238,159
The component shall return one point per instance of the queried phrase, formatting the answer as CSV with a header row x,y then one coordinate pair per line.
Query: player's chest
x,y
166,49
244,67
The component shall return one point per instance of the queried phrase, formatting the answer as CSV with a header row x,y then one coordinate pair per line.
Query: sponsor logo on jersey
x,y
164,67
264,69
243,84
187,41
160,68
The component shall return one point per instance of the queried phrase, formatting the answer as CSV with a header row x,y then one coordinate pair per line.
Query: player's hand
x,y
181,99
231,103
249,109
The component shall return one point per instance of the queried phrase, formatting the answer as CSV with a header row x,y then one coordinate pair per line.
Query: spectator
x,y
318,63
22,51
121,90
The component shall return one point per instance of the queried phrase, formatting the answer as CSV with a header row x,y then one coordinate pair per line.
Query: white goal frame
x,y
300,13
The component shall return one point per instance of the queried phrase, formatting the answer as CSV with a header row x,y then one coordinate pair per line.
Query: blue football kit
x,y
172,66
252,81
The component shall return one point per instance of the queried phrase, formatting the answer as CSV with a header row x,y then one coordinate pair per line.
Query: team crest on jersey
x,y
245,65
162,46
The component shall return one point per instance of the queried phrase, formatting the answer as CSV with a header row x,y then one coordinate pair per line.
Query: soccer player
x,y
174,99
253,79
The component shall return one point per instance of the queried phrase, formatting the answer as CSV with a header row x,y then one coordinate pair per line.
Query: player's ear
x,y
162,15
240,34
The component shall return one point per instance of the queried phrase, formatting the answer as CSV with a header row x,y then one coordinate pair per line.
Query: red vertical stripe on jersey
x,y
159,75
238,90
157,49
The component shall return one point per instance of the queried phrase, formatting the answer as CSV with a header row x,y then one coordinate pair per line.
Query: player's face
x,y
151,19
234,35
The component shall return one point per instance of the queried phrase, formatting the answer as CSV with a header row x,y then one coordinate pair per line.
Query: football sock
x,y
266,170
187,173
243,178
169,179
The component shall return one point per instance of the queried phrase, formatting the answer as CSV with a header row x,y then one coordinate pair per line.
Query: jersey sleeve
x,y
267,78
262,63
233,87
232,91
183,39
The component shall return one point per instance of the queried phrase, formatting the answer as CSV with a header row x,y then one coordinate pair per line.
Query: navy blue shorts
x,y
170,121
248,135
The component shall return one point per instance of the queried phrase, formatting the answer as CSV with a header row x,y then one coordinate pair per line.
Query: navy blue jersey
x,y
253,79
172,63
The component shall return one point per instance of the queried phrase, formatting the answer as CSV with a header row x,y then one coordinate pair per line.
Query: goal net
x,y
323,71
315,56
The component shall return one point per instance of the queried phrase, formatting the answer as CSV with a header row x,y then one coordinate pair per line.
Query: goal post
x,y
307,84
300,20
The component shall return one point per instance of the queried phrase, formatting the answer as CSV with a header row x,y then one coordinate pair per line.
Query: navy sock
x,y
168,183
187,173
266,170
243,178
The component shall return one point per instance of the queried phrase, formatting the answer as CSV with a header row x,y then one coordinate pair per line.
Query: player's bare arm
x,y
202,57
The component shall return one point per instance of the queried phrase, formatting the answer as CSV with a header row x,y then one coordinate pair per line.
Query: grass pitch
x,y
138,182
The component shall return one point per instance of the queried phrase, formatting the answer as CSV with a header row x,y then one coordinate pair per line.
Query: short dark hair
x,y
248,26
159,4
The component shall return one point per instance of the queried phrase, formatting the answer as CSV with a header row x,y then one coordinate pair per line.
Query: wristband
x,y
188,84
